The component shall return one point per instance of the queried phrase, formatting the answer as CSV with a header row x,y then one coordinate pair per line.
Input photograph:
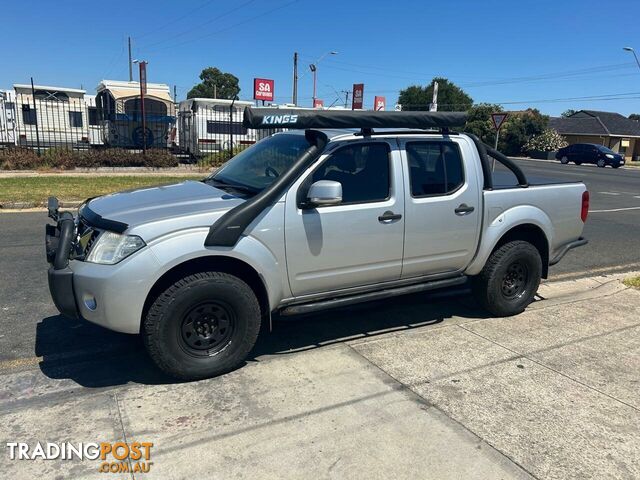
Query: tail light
x,y
585,206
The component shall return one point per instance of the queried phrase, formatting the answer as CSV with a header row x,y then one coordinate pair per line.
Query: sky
x,y
551,55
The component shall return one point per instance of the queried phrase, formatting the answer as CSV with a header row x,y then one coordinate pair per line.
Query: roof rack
x,y
265,118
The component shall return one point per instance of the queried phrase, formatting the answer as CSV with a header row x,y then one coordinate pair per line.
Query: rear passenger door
x,y
443,205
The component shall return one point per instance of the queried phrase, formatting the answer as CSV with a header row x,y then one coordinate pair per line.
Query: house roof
x,y
593,122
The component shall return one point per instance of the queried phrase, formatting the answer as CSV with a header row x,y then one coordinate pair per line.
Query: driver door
x,y
353,243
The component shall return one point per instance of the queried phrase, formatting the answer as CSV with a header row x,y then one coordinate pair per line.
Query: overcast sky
x,y
532,53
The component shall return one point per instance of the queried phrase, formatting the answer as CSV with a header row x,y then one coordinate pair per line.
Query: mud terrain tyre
x,y
203,325
510,279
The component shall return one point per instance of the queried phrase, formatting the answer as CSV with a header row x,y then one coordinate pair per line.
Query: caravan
x,y
120,116
208,125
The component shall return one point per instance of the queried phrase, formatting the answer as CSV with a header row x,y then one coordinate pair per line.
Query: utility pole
x,y
346,97
130,63
175,94
35,114
215,90
294,97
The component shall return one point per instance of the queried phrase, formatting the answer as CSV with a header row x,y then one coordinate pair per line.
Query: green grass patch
x,y
72,188
632,282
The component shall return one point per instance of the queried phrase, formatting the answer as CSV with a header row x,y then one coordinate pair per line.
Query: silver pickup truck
x,y
335,209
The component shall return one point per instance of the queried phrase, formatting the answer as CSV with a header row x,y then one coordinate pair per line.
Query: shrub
x,y
548,141
64,159
19,159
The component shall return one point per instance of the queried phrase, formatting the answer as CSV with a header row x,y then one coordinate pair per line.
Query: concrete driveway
x,y
551,393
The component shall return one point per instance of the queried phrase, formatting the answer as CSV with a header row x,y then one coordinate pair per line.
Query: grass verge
x,y
632,282
36,190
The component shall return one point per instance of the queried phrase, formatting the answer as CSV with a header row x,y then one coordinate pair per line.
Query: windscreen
x,y
258,166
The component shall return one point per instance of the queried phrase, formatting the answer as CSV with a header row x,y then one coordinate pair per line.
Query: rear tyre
x,y
509,279
601,163
564,160
203,325
616,165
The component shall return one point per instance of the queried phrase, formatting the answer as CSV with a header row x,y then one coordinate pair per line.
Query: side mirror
x,y
324,192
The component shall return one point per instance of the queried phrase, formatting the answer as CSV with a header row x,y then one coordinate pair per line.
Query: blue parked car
x,y
600,155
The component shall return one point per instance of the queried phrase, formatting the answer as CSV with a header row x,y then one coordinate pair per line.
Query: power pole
x,y
175,94
294,98
346,98
35,114
130,63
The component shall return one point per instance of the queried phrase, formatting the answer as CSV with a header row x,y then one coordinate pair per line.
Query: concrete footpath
x,y
551,393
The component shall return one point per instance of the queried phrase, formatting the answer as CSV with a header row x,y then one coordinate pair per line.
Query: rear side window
x,y
435,168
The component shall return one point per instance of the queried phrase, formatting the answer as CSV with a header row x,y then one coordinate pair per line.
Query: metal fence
x,y
195,129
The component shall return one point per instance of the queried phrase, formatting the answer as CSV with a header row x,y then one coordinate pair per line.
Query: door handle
x,y
463,209
389,216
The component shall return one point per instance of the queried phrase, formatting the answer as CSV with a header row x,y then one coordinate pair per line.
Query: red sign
x,y
358,96
379,103
498,119
317,103
263,89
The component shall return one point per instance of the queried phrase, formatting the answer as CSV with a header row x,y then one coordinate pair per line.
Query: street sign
x,y
498,119
358,96
379,103
263,89
318,103
398,107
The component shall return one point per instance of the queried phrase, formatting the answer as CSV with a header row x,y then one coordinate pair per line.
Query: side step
x,y
371,296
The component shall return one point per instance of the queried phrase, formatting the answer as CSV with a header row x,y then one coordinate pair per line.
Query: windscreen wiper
x,y
233,186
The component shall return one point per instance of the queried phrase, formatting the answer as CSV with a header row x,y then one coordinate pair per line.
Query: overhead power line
x,y
230,27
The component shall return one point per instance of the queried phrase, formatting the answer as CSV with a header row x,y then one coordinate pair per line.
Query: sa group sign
x,y
379,103
358,96
263,89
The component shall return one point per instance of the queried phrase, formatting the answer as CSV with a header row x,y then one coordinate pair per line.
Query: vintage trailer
x,y
120,114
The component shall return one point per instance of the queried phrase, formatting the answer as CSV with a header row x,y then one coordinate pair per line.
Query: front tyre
x,y
509,279
203,325
601,163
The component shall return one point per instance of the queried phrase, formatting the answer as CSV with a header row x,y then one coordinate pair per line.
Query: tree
x,y
451,98
519,128
479,122
634,116
568,113
215,84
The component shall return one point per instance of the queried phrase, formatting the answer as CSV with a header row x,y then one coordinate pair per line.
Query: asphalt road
x,y
33,334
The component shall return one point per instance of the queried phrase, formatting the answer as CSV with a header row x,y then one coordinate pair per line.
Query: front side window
x,y
435,168
363,170
75,119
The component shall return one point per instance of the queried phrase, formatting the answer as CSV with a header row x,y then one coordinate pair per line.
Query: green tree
x,y
519,128
568,113
215,84
479,122
451,98
634,116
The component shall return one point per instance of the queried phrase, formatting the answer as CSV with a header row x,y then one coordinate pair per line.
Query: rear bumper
x,y
562,251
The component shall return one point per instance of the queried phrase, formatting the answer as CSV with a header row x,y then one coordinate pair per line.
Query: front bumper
x,y
111,296
62,294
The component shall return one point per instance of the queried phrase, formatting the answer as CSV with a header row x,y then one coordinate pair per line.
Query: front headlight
x,y
608,155
112,247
